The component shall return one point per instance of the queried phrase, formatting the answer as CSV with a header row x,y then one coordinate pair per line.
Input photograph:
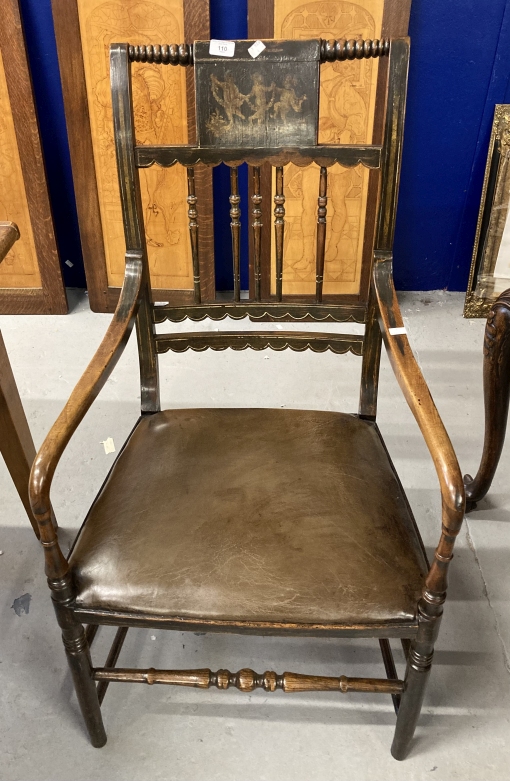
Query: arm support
x,y
422,406
87,389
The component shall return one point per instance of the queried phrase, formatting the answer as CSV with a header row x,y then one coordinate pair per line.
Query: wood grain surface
x,y
30,277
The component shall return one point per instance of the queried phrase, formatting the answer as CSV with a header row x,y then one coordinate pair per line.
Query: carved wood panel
x,y
164,114
30,276
159,98
349,113
19,268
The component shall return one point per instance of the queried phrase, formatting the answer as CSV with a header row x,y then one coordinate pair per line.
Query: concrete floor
x,y
167,733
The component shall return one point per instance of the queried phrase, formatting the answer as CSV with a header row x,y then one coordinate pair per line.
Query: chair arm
x,y
87,389
9,233
416,392
422,406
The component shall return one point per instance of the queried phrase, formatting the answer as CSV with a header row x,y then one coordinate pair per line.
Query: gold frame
x,y
482,290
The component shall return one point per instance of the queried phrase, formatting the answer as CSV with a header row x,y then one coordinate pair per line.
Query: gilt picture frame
x,y
490,265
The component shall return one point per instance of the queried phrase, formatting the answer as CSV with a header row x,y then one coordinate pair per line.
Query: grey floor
x,y
167,733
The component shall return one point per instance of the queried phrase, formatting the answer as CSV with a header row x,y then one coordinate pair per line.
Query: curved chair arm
x,y
85,392
422,406
9,233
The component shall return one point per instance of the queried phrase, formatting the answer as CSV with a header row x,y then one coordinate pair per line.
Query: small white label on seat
x,y
109,445
256,49
397,331
222,48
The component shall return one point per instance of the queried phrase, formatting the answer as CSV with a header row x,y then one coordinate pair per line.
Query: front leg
x,y
496,388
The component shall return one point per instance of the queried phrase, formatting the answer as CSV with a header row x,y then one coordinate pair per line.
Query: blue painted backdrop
x,y
459,70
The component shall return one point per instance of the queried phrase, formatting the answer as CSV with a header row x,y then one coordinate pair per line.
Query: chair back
x,y
261,108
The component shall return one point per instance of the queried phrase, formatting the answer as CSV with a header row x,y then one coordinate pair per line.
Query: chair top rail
x,y
330,51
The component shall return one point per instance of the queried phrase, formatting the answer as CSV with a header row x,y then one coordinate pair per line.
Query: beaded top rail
x,y
259,104
264,108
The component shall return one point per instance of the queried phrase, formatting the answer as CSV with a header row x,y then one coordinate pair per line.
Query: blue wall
x,y
459,70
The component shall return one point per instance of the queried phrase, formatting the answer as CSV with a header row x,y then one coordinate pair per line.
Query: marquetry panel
x,y
30,276
19,269
159,98
346,116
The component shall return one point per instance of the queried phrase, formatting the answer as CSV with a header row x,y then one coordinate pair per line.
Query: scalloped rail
x,y
260,340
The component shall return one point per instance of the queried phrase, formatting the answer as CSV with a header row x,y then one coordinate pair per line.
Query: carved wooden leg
x,y
496,387
16,444
419,663
80,663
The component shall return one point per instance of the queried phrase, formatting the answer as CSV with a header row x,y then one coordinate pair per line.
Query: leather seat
x,y
276,516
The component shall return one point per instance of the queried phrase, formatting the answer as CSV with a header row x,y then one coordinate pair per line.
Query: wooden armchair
x,y
314,535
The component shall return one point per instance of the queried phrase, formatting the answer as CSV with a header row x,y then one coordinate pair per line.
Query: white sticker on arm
x,y
397,331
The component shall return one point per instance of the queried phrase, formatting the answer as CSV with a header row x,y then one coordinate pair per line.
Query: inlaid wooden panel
x,y
159,98
19,268
165,114
350,112
346,116
30,276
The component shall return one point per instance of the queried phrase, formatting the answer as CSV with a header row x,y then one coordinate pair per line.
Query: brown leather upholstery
x,y
252,515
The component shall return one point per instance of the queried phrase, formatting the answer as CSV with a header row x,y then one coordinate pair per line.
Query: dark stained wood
x,y
51,297
132,212
389,666
279,225
193,232
325,155
321,233
374,630
256,211
262,312
496,390
390,177
235,227
260,340
422,406
111,660
247,680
